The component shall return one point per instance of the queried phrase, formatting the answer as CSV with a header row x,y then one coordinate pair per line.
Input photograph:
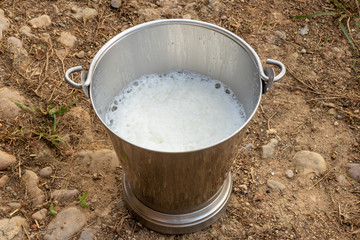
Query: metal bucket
x,y
176,192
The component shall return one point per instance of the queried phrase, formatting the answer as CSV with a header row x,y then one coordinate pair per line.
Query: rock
x,y
21,58
332,112
67,39
116,3
65,225
3,180
8,109
99,160
249,146
31,180
87,234
40,22
303,51
289,174
306,162
64,194
13,228
342,180
4,23
234,203
6,160
14,205
274,185
40,215
45,172
26,31
281,34
304,30
268,150
80,54
243,187
353,171
89,13
44,154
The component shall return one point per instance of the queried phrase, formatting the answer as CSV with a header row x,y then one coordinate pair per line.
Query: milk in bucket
x,y
174,112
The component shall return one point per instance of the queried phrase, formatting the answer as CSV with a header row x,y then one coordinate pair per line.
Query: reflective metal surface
x,y
177,185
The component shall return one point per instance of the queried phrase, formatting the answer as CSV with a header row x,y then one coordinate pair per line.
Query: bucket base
x,y
179,223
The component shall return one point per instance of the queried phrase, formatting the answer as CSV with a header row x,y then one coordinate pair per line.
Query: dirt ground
x,y
314,107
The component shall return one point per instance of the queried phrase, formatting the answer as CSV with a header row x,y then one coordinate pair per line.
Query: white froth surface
x,y
174,112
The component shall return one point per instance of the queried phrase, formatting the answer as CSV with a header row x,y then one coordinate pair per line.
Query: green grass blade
x,y
343,28
314,15
54,123
52,211
83,196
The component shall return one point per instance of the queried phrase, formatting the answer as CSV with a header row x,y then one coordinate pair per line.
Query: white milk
x,y
173,112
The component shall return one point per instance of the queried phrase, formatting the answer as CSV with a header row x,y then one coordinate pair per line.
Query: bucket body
x,y
176,184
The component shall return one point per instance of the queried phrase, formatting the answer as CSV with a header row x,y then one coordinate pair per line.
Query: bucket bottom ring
x,y
179,223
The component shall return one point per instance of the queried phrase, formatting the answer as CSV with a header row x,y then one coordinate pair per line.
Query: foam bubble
x,y
175,111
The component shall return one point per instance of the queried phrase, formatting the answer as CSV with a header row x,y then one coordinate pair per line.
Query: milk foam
x,y
173,112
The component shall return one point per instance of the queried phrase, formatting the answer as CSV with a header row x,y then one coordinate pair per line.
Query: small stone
x,y
67,39
307,162
304,30
39,22
14,205
13,228
65,225
40,215
268,150
274,185
353,171
26,31
336,123
341,179
14,44
249,146
6,160
3,180
339,117
243,187
31,180
281,34
332,111
289,174
4,23
87,234
89,13
303,51
271,131
21,58
272,174
45,172
64,195
80,54
116,3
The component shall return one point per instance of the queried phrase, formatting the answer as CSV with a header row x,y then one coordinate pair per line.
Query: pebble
x,y
271,131
46,172
303,51
268,150
332,112
40,215
21,57
13,228
353,171
274,185
65,225
89,13
289,174
64,194
8,109
304,30
243,187
14,205
281,34
342,180
6,160
306,162
80,54
3,180
40,22
67,39
87,234
249,146
4,23
98,160
116,3
339,117
31,182
26,31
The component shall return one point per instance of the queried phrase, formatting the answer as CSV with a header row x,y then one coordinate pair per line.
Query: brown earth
x,y
322,74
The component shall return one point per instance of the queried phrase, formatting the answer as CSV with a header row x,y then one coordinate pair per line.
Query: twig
x,y
323,177
27,234
16,210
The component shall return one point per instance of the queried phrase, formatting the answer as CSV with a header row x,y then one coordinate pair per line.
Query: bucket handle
x,y
83,79
277,63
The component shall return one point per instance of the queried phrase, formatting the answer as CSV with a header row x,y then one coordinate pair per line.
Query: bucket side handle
x,y
277,63
83,79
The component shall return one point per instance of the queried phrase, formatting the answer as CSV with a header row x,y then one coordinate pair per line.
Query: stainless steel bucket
x,y
176,192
